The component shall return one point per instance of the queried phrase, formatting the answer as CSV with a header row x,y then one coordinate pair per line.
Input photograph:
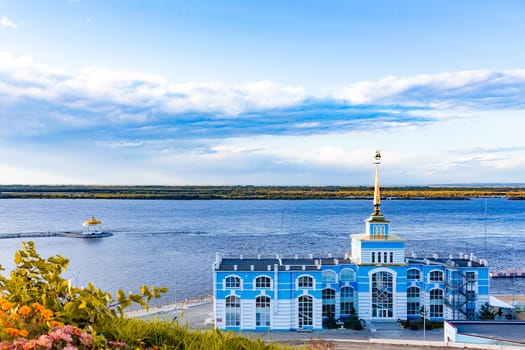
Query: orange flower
x,y
6,305
46,314
23,333
24,310
38,306
56,324
14,316
13,332
1,313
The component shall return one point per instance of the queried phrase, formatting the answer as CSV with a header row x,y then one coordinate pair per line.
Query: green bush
x,y
155,333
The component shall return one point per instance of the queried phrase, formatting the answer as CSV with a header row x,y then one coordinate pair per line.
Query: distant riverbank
x,y
257,192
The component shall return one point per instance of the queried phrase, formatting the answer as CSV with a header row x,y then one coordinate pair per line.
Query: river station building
x,y
375,281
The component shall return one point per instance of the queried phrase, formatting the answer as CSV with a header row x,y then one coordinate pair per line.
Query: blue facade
x,y
374,281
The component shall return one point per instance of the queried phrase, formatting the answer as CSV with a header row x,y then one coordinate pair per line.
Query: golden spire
x,y
377,195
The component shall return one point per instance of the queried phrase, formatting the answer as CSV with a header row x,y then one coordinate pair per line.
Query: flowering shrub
x,y
18,320
62,337
40,309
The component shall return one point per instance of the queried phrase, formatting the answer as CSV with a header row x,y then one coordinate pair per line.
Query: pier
x,y
508,274
71,234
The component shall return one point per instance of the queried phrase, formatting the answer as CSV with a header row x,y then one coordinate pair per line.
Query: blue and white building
x,y
374,281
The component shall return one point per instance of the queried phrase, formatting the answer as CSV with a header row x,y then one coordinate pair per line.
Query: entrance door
x,y
382,295
305,311
382,313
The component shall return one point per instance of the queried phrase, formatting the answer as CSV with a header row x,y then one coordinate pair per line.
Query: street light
x,y
423,312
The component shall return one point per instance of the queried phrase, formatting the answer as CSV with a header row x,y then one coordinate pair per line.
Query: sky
x,y
247,92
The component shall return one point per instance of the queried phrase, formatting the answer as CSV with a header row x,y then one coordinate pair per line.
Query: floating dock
x,y
71,234
508,274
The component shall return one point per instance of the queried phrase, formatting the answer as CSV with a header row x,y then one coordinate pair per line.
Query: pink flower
x,y
4,345
61,334
45,341
86,339
70,347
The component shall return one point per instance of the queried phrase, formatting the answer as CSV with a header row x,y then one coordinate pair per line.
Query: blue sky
x,y
261,92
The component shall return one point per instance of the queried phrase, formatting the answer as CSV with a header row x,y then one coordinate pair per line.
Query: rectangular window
x,y
436,276
391,257
305,282
373,257
385,259
413,308
436,310
262,311
378,257
233,311
262,282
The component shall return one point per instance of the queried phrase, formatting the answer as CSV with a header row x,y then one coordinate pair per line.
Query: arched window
x,y
347,275
233,282
328,295
436,276
329,276
436,303
347,301
233,311
262,311
413,301
263,282
305,282
413,274
382,294
305,311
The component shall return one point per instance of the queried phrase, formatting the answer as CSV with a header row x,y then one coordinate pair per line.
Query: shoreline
x,y
156,310
436,192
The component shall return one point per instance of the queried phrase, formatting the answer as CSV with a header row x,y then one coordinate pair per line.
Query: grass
x,y
163,334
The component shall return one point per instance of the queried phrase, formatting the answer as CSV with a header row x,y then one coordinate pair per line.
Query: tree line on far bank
x,y
257,192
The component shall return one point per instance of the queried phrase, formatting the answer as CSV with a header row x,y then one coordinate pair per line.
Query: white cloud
x,y
7,23
89,87
438,90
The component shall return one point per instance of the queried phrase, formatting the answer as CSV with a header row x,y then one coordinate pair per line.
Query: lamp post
x,y
423,312
424,324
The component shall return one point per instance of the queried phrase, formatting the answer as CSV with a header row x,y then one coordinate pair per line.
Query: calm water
x,y
173,243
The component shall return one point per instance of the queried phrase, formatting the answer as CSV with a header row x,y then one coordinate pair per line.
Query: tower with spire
x,y
376,224
377,245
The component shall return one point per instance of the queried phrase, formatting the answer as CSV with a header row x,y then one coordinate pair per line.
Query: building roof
x,y
502,331
316,263
283,264
465,261
495,302
91,221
